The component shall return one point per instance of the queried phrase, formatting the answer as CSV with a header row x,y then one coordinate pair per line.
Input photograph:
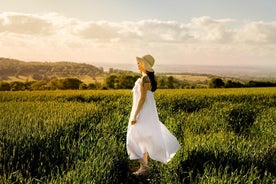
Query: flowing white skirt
x,y
149,134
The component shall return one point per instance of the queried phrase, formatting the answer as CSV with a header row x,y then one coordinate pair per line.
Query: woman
x,y
146,135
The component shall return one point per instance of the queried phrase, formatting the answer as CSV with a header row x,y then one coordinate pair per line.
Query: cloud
x,y
162,31
145,30
257,32
200,29
97,30
53,35
212,30
25,24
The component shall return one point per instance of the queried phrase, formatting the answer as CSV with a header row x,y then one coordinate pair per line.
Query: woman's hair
x,y
152,81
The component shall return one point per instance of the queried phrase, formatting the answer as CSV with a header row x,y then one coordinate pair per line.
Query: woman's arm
x,y
144,86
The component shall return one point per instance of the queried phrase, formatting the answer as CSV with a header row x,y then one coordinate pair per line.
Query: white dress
x,y
148,134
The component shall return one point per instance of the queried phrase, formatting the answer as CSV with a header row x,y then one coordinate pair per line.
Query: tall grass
x,y
226,136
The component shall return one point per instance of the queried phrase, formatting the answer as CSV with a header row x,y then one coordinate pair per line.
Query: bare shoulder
x,y
145,82
145,79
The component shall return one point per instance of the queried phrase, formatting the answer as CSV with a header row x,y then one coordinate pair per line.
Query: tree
x,y
122,81
216,83
260,84
5,86
83,86
55,84
170,82
233,84
71,83
126,81
91,86
38,85
110,81
95,85
67,83
17,86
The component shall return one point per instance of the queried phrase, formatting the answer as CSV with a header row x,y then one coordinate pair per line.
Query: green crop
x,y
226,136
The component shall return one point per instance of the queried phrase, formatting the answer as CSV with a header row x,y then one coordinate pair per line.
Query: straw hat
x,y
147,61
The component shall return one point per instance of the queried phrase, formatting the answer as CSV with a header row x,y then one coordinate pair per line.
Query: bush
x,y
17,86
216,83
5,86
83,86
39,85
67,83
233,84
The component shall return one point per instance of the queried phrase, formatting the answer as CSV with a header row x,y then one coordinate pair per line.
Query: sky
x,y
199,32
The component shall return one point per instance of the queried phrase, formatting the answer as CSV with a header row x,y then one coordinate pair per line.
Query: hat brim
x,y
145,64
138,59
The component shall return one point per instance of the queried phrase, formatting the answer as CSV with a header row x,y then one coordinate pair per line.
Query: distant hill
x,y
245,72
16,70
40,70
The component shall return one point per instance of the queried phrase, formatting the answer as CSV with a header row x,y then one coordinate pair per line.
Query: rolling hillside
x,y
10,68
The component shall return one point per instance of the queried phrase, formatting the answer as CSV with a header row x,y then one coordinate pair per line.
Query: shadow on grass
x,y
122,173
41,156
190,169
194,167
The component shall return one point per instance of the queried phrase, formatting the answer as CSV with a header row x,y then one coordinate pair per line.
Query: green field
x,y
226,136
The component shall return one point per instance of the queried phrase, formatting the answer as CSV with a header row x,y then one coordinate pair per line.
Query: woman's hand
x,y
133,121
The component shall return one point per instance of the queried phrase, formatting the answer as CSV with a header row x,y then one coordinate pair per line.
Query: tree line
x,y
112,81
124,81
219,83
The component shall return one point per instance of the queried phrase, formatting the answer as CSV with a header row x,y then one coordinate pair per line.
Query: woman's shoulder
x,y
145,82
145,79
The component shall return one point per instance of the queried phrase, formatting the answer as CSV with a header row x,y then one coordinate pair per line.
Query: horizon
x,y
246,72
195,33
132,66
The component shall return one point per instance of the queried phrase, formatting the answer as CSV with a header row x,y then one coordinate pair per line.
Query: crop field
x,y
226,136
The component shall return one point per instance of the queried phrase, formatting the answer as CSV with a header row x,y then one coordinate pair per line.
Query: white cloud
x,y
25,24
211,30
97,30
161,31
55,36
257,32
146,30
200,29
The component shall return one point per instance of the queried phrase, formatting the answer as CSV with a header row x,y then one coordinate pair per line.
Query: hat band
x,y
147,61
